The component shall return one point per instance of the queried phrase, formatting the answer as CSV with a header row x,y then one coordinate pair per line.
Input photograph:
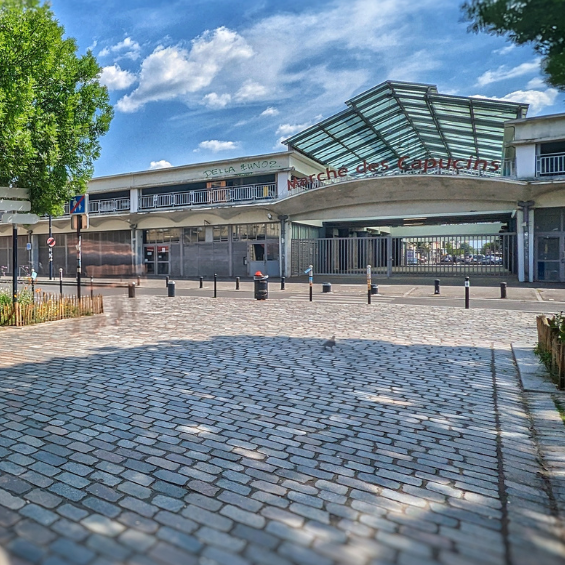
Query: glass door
x,y
550,258
149,257
163,259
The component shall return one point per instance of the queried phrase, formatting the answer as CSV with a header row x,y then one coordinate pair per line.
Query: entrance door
x,y
163,259
550,258
264,257
156,259
149,258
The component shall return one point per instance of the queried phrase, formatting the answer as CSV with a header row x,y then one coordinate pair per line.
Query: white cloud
x,y
251,91
537,99
536,82
505,50
216,101
215,146
162,164
126,49
115,78
173,72
504,73
270,111
290,129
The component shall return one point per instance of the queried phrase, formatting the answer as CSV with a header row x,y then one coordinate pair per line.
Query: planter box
x,y
548,341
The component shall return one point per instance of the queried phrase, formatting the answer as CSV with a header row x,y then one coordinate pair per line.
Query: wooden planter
x,y
548,341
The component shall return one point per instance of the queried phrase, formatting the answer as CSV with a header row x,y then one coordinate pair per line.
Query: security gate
x,y
450,255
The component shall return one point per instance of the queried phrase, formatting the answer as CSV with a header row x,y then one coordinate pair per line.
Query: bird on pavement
x,y
329,343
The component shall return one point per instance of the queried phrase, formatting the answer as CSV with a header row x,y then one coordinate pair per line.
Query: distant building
x,y
405,179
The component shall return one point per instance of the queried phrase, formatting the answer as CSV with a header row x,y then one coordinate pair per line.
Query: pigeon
x,y
329,343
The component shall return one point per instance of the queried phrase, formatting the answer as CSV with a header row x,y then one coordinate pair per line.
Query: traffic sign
x,y
15,205
78,205
12,218
9,192
51,241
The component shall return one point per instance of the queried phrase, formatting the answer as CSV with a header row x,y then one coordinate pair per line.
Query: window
x,y
162,235
273,230
221,233
194,235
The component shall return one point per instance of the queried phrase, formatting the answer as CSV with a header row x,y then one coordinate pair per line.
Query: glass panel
x,y
272,251
273,231
548,271
149,260
221,233
162,253
162,268
547,219
548,249
257,252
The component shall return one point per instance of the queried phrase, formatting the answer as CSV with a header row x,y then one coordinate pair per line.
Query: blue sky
x,y
203,80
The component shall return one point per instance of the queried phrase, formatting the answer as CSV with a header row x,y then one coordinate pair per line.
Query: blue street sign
x,y
77,204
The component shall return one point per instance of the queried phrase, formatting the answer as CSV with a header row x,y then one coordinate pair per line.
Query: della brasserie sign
x,y
403,164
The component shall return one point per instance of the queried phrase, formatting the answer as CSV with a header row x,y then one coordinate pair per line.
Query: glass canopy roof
x,y
401,119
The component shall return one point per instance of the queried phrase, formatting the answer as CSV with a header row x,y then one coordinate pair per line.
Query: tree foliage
x,y
540,23
52,107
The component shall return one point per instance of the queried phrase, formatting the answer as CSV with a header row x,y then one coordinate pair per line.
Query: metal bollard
x,y
138,281
201,281
215,285
167,278
467,292
236,283
61,282
436,286
282,283
91,288
171,289
131,290
503,286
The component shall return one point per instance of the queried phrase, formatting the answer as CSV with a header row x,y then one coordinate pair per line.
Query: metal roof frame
x,y
395,117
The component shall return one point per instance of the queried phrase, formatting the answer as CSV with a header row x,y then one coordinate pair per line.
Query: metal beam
x,y
474,126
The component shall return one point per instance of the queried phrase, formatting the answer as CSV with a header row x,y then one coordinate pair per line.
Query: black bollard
x,y
131,290
167,281
201,281
282,283
171,288
503,286
91,288
436,286
467,292
215,285
61,282
236,283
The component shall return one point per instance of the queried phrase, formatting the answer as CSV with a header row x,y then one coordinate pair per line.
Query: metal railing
x,y
223,195
550,165
108,206
450,255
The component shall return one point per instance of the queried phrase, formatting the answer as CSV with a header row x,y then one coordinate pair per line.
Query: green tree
x,y
53,108
540,23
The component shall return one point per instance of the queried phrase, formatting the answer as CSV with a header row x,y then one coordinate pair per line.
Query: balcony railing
x,y
230,194
550,165
110,206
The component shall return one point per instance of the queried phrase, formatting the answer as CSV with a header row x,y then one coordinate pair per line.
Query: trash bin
x,y
261,285
374,289
326,287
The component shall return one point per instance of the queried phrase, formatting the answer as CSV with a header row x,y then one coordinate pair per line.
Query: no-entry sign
x,y
51,241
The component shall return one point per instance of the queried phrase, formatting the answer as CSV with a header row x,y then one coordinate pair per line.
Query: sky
x,y
203,80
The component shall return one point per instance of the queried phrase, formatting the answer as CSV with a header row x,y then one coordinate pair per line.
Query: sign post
x,y
50,248
78,210
13,201
368,284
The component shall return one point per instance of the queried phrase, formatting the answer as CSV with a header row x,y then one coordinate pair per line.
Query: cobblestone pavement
x,y
186,430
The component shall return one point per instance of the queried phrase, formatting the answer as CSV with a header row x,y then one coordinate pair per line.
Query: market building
x,y
405,179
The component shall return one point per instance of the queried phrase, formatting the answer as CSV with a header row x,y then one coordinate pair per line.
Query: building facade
x,y
405,179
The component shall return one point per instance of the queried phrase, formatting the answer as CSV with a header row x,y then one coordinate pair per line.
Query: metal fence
x,y
549,165
209,196
427,255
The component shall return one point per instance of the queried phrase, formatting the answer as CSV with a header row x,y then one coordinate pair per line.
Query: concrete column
x,y
282,184
531,250
520,244
133,200
526,161
137,251
286,248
